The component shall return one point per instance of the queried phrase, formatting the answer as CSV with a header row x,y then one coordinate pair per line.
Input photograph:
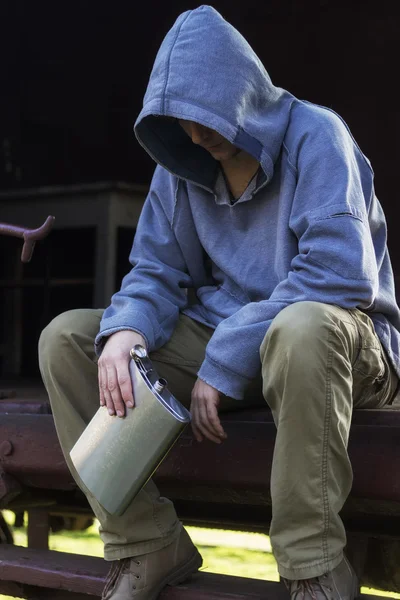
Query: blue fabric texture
x,y
311,228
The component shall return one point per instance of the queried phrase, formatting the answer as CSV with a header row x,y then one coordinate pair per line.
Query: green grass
x,y
228,552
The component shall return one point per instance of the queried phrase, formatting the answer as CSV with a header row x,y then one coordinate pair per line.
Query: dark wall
x,y
74,73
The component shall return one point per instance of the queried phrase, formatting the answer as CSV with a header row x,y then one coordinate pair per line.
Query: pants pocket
x,y
372,376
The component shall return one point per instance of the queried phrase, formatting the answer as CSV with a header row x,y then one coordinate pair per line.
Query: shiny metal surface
x,y
138,351
115,457
160,385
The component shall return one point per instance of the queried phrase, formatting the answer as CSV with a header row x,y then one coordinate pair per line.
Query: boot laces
x,y
304,588
117,569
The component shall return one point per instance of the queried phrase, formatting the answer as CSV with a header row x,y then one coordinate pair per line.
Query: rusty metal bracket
x,y
30,236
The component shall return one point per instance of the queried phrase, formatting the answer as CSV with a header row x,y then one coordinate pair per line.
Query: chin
x,y
222,153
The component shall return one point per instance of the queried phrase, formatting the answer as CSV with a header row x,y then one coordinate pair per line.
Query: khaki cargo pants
x,y
318,361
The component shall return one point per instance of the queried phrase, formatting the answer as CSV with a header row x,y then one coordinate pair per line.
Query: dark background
x,y
73,75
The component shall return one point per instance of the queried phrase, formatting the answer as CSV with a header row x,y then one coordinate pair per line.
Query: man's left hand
x,y
204,409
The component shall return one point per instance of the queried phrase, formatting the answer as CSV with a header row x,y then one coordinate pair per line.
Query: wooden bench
x,y
225,486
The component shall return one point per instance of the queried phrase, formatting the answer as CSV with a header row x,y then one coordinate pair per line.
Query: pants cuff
x,y
118,552
315,569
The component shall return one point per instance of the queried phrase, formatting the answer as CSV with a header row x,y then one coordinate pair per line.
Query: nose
x,y
198,133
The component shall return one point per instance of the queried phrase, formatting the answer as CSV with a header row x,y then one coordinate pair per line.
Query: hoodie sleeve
x,y
152,293
335,264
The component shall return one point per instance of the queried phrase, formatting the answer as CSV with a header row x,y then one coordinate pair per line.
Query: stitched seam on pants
x,y
315,563
155,516
359,338
325,448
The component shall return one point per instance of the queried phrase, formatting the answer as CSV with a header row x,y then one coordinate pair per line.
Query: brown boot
x,y
339,584
143,577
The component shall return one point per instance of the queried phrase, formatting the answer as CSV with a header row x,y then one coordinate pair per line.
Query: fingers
x,y
101,390
125,385
105,396
206,426
200,424
213,420
195,421
115,386
205,420
114,390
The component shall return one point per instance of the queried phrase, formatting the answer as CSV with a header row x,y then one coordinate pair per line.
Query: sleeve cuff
x,y
227,382
114,324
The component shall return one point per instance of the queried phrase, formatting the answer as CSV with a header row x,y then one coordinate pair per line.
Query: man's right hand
x,y
114,379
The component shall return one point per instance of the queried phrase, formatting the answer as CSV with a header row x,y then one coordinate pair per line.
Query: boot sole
x,y
180,574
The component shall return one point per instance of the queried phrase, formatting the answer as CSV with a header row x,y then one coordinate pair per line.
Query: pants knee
x,y
59,333
299,325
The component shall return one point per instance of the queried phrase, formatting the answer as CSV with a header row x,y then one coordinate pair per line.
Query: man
x,y
265,206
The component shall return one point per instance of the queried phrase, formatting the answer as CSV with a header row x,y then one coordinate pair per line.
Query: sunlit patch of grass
x,y
239,562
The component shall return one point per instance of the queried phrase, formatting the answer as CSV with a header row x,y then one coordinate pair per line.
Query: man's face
x,y
210,140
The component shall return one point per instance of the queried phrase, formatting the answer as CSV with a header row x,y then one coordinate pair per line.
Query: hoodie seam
x,y
329,211
169,62
320,264
163,210
174,210
166,96
365,159
222,287
291,165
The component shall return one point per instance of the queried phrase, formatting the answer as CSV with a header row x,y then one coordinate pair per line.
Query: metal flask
x,y
115,457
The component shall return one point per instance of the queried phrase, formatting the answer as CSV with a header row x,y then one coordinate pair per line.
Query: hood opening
x,y
171,147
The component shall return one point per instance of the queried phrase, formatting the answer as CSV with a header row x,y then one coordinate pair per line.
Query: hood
x,y
205,71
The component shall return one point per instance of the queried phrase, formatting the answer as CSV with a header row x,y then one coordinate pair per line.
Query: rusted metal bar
x,y
36,458
25,406
30,236
209,484
242,464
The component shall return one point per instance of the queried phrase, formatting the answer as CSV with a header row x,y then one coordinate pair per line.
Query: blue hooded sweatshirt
x,y
309,228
